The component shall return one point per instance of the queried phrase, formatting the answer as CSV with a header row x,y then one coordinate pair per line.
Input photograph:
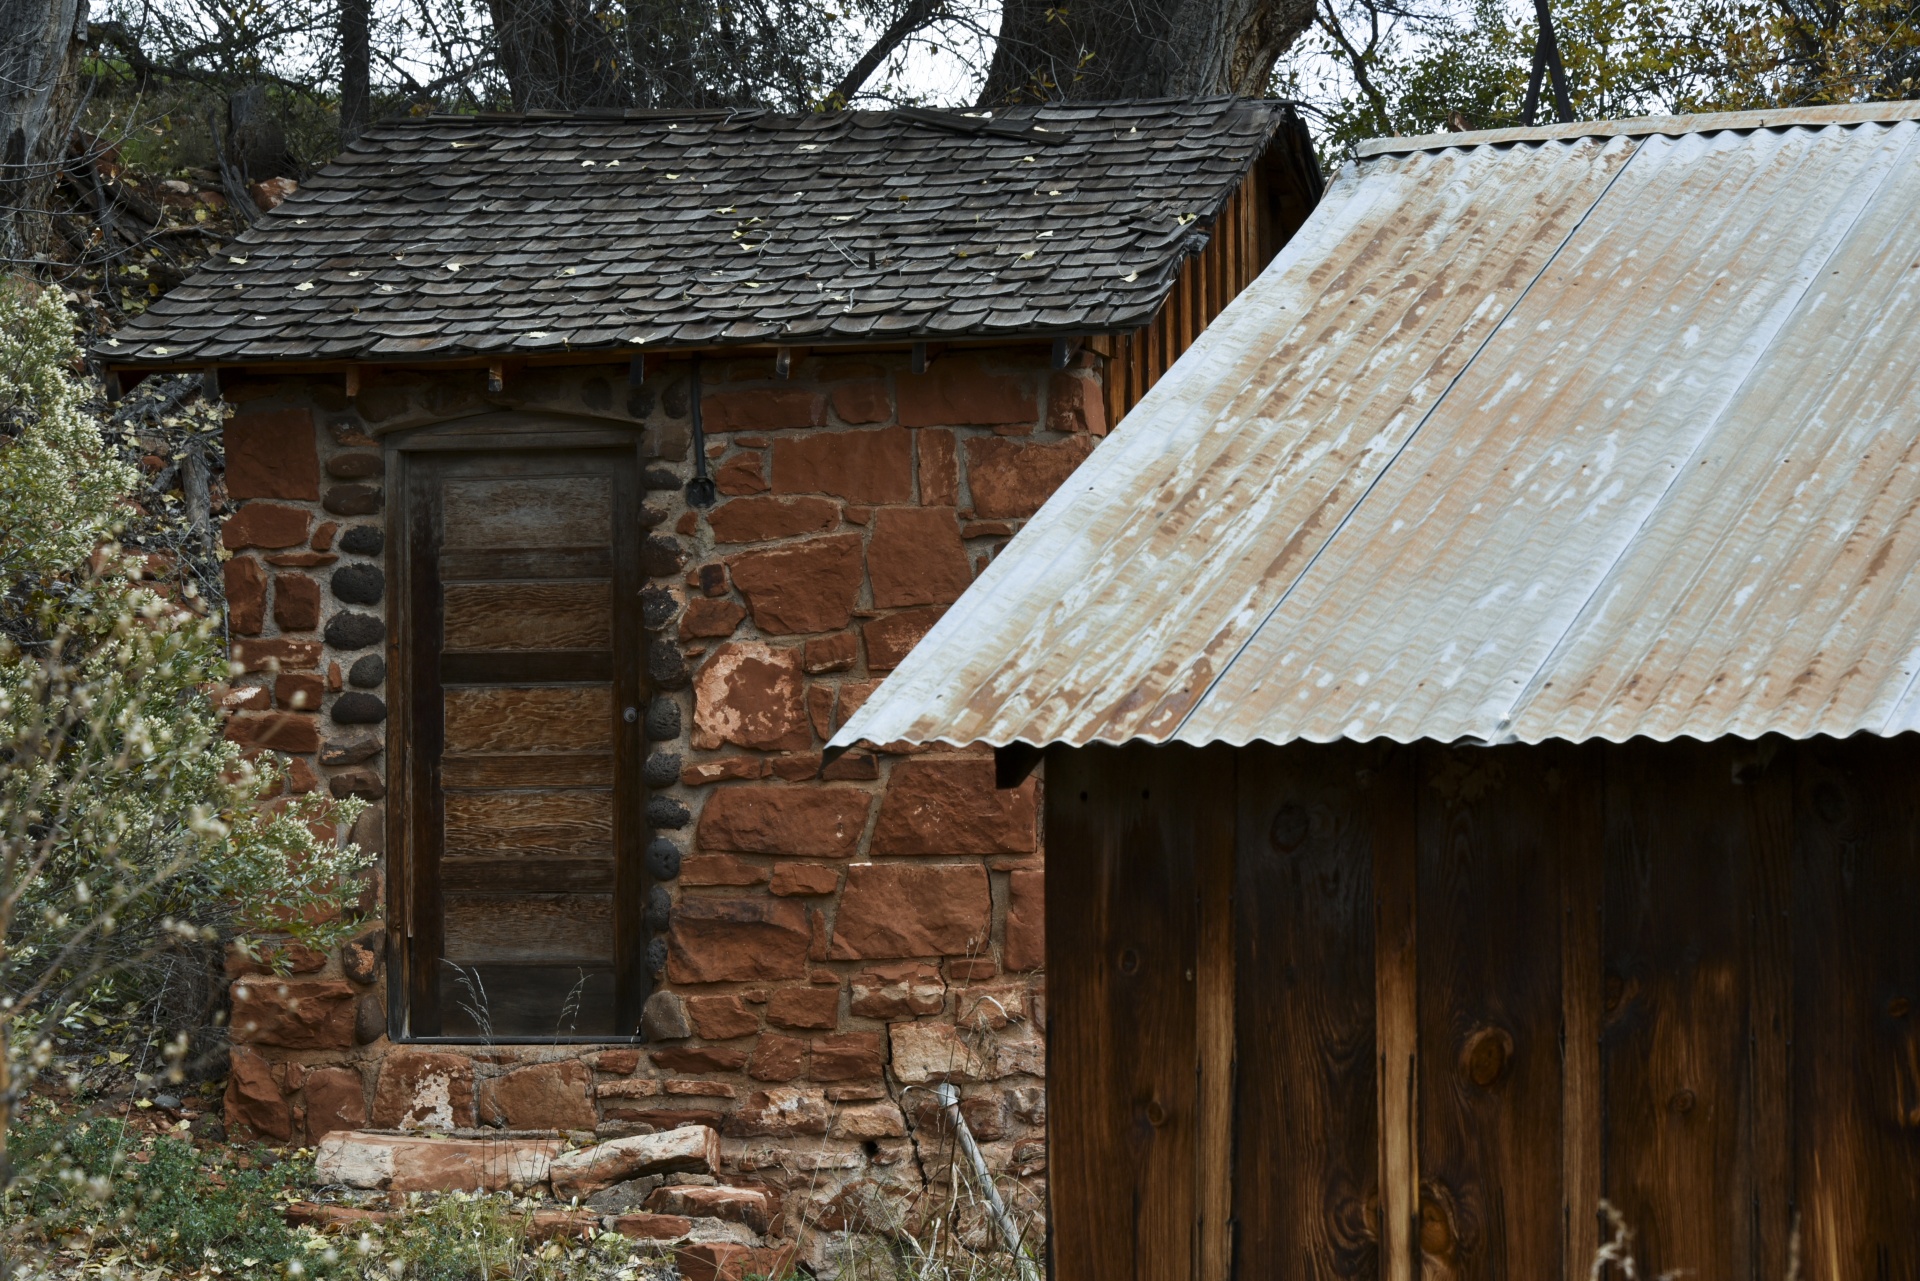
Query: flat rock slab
x,y
547,1225
740,1205
624,1198
333,1218
418,1163
691,1149
720,1262
641,1226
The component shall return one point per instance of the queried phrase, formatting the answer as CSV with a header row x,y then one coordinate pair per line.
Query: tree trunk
x,y
557,55
1094,49
40,45
356,72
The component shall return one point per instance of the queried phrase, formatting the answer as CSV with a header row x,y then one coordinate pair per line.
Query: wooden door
x,y
521,874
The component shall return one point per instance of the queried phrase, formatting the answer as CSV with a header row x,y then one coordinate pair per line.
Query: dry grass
x,y
1617,1250
941,1236
926,1219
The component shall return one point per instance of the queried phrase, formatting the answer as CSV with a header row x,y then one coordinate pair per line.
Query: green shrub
x,y
131,831
185,1218
156,1201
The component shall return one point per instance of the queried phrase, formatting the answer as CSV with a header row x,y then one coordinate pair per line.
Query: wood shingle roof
x,y
483,235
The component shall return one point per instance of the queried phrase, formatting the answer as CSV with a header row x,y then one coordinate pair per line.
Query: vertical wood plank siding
x,y
1856,1010
1488,1013
1674,1054
1307,1151
1123,1013
1244,237
1582,989
1475,991
1214,1036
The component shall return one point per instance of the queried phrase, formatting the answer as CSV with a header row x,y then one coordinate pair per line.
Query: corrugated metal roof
x,y
1602,434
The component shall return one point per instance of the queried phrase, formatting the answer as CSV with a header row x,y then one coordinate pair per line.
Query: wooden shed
x,y
1477,691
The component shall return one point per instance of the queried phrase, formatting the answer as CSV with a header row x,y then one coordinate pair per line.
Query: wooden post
x,y
1217,262
1203,287
1187,286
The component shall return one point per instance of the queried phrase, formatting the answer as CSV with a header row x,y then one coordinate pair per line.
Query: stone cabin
x,y
585,474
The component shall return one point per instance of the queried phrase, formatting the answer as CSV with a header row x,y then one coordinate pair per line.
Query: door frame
x,y
504,432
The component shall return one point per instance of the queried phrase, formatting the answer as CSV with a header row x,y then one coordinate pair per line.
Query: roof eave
x,y
604,354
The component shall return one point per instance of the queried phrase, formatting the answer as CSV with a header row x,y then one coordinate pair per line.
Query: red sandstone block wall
x,y
835,943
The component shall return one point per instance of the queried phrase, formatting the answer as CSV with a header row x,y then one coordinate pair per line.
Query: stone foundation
x,y
836,942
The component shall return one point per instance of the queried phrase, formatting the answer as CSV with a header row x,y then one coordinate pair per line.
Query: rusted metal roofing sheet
x,y
1597,435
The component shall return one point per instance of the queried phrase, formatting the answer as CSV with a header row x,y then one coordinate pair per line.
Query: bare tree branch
x,y
914,17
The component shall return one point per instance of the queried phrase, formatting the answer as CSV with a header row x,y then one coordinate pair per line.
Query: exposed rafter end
x,y
1013,763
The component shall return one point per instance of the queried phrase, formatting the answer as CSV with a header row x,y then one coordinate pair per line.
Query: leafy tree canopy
x,y
1372,68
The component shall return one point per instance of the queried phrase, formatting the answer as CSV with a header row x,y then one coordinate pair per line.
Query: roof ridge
x,y
1642,126
621,115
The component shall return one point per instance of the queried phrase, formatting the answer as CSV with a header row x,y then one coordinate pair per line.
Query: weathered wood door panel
x,y
522,884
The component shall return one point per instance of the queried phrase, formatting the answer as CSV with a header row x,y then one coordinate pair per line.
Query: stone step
x,y
750,1206
717,1261
541,1226
424,1163
642,1226
709,1231
645,1225
691,1149
547,1225
430,1163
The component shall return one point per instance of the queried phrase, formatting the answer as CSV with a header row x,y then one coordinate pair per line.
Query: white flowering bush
x,y
131,831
